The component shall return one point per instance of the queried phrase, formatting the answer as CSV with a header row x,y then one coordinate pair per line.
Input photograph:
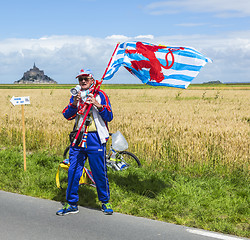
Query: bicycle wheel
x,y
128,158
65,153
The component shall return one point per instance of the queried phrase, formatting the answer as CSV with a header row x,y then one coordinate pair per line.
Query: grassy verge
x,y
198,196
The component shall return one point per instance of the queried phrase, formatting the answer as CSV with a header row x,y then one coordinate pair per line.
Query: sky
x,y
63,36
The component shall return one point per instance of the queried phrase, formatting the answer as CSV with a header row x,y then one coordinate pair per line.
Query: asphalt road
x,y
28,218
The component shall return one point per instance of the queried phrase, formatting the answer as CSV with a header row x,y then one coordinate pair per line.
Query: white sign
x,y
20,100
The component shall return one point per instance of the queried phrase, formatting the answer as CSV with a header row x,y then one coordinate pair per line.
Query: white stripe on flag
x,y
175,82
182,59
168,72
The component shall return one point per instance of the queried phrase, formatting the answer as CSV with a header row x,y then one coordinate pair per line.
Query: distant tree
x,y
213,82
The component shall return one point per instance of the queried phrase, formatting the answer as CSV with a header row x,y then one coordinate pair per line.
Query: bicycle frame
x,y
115,163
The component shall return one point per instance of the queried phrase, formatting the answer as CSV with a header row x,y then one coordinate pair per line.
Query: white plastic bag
x,y
119,142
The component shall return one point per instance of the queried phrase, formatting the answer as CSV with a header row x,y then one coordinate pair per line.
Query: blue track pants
x,y
96,154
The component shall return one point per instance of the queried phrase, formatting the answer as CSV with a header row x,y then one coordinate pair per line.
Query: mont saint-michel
x,y
35,76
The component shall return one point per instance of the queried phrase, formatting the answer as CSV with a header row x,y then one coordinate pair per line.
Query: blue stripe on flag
x,y
192,55
167,85
120,51
189,52
136,56
145,75
179,77
130,44
180,66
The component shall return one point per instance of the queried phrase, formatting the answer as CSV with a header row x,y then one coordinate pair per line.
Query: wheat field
x,y
184,127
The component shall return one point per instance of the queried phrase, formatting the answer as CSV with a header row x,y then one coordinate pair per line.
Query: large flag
x,y
158,65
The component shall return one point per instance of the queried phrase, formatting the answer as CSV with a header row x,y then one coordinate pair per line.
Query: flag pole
x,y
95,91
110,61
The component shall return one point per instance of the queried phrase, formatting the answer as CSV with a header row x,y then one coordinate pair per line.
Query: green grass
x,y
198,196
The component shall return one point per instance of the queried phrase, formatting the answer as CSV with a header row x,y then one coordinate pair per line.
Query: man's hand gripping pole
x,y
95,91
88,107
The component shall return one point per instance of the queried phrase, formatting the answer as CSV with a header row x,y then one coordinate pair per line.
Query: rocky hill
x,y
35,76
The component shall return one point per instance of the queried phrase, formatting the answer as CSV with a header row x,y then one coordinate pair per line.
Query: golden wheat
x,y
185,126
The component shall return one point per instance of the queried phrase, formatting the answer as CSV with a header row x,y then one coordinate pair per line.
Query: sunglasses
x,y
86,79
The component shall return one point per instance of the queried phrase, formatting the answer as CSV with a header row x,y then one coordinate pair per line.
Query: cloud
x,y
117,37
144,37
61,57
125,38
190,24
220,8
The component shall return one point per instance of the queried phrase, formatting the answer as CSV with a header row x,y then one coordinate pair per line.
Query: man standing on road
x,y
92,143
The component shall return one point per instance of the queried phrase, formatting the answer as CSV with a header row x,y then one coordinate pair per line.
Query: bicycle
x,y
118,159
121,160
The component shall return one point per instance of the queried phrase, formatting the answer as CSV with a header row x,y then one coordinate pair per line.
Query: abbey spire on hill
x,y
35,76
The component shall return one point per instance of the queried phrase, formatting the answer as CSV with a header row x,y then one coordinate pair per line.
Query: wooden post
x,y
22,101
24,146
